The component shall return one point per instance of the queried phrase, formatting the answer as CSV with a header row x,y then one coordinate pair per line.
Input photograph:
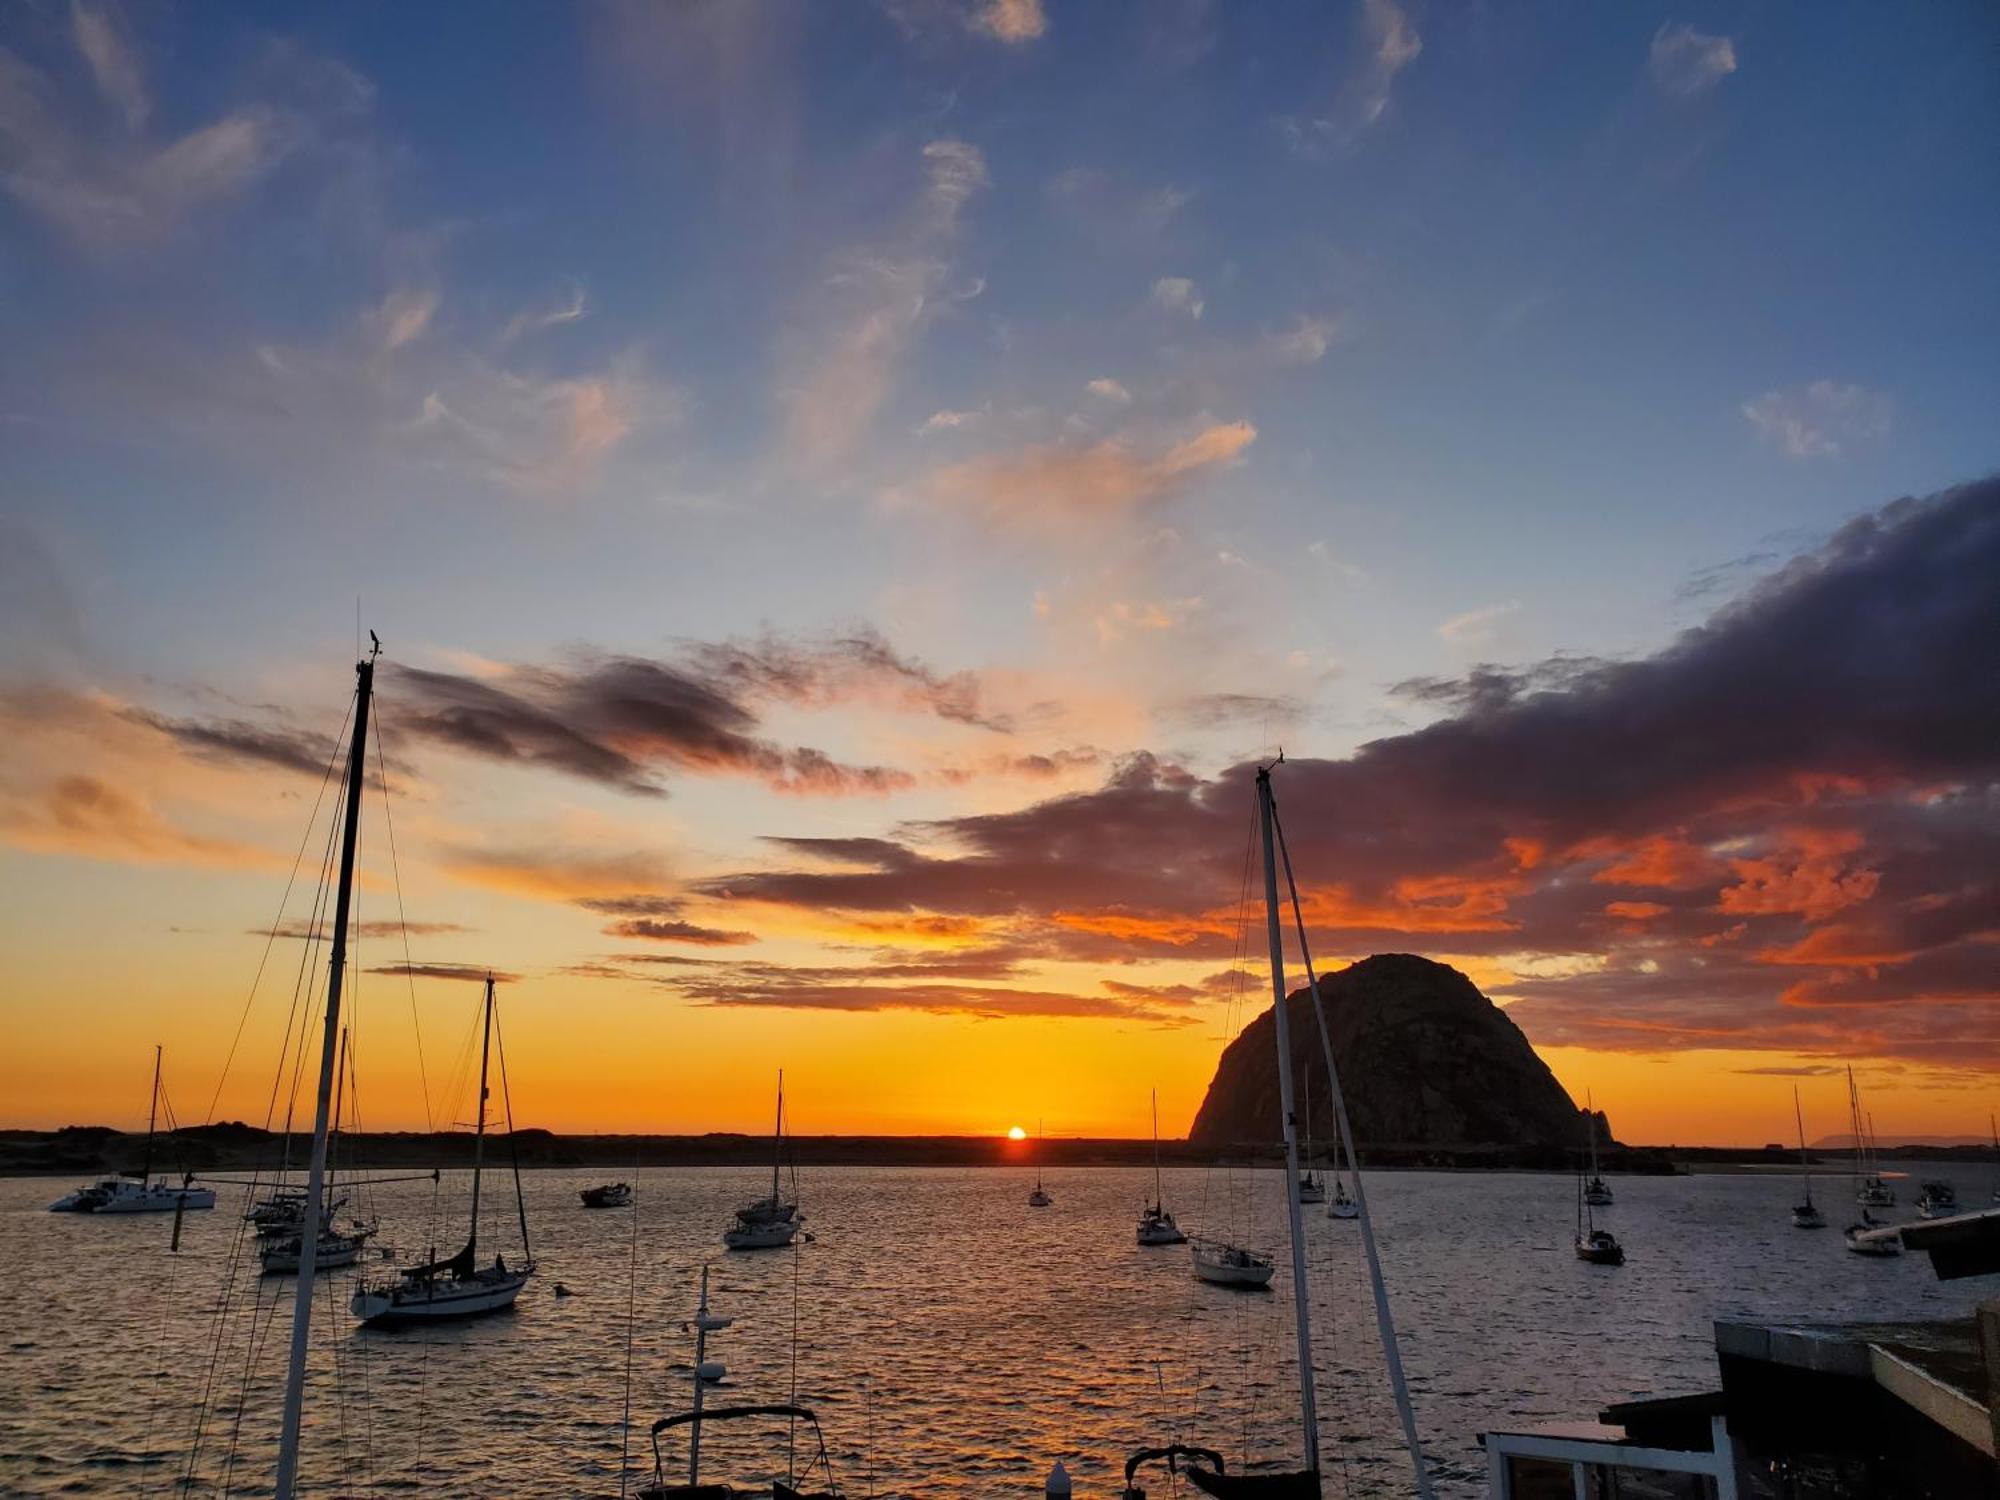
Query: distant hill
x,y
1845,1141
1425,1059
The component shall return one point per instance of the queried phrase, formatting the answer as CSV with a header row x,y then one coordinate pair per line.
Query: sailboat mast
x,y
1854,1119
1805,1164
1590,1129
1308,1402
152,1119
1385,1322
295,1370
479,1130
1159,1199
778,1138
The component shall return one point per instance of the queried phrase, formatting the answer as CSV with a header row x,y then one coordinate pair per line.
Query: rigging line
x,y
402,920
631,1323
234,1264
513,1140
1385,1322
271,937
159,1372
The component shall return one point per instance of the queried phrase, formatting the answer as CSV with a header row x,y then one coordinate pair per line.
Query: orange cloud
x,y
1667,863
1815,885
1636,911
1054,485
86,816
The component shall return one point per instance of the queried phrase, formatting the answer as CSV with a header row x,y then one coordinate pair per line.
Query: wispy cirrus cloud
x,y
878,298
1064,485
1822,419
1385,43
1684,63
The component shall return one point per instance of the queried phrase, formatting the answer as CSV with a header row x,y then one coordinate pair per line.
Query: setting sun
x,y
1016,1133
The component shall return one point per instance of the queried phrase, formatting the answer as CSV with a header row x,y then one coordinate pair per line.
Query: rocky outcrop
x,y
1424,1058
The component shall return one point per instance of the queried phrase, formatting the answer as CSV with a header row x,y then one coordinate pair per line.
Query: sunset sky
x,y
848,492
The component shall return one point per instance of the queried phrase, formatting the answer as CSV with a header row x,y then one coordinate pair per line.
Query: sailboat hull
x,y
1343,1208
761,1236
487,1292
1808,1218
159,1198
1218,1269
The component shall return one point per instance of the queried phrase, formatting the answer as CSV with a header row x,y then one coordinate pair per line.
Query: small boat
x,y
1311,1188
1230,1265
608,1195
1342,1205
1600,1247
457,1287
1805,1215
1156,1225
1871,1236
141,1192
1938,1200
1039,1198
770,1223
337,1247
705,1373
1596,1192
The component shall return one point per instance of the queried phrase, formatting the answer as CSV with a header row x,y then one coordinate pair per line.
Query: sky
x,y
848,494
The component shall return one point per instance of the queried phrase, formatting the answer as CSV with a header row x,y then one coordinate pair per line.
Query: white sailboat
x,y
770,1223
1596,1192
459,1286
140,1193
1599,1247
1039,1198
280,1235
1156,1224
1805,1215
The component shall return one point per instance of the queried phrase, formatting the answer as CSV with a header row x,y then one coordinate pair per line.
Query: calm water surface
x,y
954,1341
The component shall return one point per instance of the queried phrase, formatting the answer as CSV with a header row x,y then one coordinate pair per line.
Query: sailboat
x,y
1872,1192
1039,1198
279,1247
1311,1189
1598,1246
1204,1467
139,1192
1939,1199
1805,1215
1596,1192
456,1287
770,1223
699,1414
1156,1225
608,1195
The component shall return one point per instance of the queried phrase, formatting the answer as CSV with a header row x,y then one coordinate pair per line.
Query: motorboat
x,y
1231,1265
608,1195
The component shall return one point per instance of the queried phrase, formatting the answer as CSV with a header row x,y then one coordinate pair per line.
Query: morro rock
x,y
1425,1060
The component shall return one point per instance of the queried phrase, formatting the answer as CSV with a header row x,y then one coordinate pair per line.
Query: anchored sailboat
x,y
1805,1215
138,1192
279,1236
770,1223
1598,1246
1596,1192
1311,1189
1156,1225
1871,1191
1039,1198
457,1287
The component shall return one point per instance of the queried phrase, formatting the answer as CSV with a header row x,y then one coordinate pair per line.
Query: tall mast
x,y
295,1371
1308,1402
778,1139
1854,1117
1159,1199
1805,1165
1590,1129
1385,1322
479,1130
152,1120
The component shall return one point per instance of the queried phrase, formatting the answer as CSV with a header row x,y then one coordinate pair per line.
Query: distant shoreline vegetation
x,y
84,1150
